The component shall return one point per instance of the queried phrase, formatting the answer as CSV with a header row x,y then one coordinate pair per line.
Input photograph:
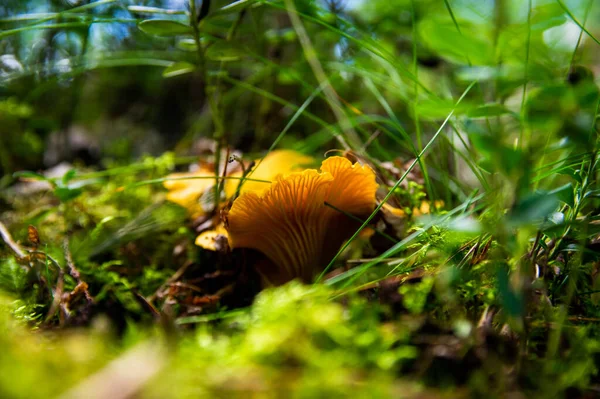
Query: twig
x,y
56,301
370,140
7,238
73,272
221,184
171,279
245,173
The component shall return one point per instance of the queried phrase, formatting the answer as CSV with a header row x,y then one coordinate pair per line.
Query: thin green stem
x,y
416,74
214,106
319,72
587,13
525,77
164,179
570,14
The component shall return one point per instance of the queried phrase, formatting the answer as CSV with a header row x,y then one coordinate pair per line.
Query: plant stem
x,y
330,94
214,106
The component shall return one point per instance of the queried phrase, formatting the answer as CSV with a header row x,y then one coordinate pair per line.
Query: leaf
x,y
155,10
548,106
564,194
554,226
496,155
224,51
533,208
547,16
68,176
178,68
488,110
592,194
26,174
469,46
568,171
512,301
187,44
235,7
439,108
511,159
66,194
164,27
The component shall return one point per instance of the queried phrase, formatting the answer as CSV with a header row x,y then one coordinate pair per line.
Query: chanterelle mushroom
x,y
291,222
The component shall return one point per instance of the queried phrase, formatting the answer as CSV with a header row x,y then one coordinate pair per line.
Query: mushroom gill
x,y
302,219
275,163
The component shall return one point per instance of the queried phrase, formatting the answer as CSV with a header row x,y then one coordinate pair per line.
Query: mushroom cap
x,y
268,168
291,224
185,189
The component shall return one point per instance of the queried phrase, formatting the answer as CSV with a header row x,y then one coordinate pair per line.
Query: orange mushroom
x,y
275,163
301,221
186,189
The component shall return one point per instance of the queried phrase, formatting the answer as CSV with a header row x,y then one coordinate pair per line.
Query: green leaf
x,y
434,108
533,208
569,171
548,106
469,46
554,226
156,10
565,194
547,16
187,44
68,176
164,27
66,194
235,7
488,110
512,301
178,68
29,175
224,51
592,194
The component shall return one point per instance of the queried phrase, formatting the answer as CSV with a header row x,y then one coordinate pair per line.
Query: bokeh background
x,y
81,82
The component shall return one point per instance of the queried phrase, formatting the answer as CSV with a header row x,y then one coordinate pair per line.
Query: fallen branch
x,y
15,248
